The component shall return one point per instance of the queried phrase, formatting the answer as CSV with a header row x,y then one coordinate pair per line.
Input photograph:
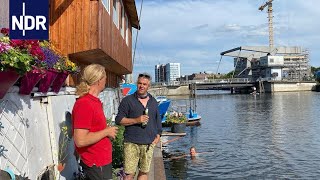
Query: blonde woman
x,y
91,133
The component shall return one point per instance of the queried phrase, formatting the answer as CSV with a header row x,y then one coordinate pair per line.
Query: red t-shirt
x,y
88,114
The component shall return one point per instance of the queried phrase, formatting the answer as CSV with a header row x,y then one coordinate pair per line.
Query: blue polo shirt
x,y
131,107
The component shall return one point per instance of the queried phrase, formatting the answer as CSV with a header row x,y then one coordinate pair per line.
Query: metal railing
x,y
179,83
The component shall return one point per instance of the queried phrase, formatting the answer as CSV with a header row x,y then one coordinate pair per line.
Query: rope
x,y
135,44
219,64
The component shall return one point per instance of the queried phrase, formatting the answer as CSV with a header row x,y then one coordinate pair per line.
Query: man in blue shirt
x,y
140,116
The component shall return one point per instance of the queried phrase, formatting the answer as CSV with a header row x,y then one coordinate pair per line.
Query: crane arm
x,y
265,5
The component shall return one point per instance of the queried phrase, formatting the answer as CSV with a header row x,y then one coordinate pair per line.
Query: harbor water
x,y
268,136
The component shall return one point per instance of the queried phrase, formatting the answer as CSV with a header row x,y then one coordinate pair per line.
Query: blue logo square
x,y
29,19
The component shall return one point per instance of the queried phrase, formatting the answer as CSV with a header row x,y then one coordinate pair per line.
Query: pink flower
x,y
4,47
37,52
17,43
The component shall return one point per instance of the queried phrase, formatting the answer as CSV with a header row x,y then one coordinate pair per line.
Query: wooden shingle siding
x,y
111,40
84,31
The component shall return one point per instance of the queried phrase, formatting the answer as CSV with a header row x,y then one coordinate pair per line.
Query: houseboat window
x,y
127,30
106,4
122,21
115,13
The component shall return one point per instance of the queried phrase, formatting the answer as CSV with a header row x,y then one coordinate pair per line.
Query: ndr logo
x,y
29,19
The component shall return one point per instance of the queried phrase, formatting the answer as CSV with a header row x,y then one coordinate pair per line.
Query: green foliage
x,y
117,147
314,69
65,64
64,140
229,75
21,62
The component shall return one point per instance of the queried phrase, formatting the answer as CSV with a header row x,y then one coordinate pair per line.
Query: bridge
x,y
223,83
241,85
211,83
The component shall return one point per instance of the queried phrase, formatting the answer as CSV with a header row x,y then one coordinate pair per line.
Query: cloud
x,y
202,26
194,32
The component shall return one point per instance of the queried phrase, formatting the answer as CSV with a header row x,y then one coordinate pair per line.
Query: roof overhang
x,y
131,10
98,56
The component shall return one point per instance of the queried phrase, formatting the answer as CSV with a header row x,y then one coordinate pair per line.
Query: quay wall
x,y
288,86
32,133
170,90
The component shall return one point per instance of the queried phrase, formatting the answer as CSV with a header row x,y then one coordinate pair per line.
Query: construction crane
x,y
270,17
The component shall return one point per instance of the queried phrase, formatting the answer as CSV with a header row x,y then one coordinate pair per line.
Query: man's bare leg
x,y
143,176
129,177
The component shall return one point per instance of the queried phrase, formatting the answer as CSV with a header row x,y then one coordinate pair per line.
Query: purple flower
x,y
51,58
4,47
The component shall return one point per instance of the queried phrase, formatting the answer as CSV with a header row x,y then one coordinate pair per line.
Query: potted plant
x,y
37,72
65,67
33,60
178,122
14,62
49,62
23,57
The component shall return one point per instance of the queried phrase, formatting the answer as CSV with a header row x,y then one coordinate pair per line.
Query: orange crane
x,y
270,17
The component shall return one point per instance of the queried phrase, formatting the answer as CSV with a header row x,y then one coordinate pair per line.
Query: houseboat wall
x,y
32,132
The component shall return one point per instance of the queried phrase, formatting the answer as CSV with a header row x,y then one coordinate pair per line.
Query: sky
x,y
195,32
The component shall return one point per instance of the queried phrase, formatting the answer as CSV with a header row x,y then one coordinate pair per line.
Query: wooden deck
x,y
168,133
157,170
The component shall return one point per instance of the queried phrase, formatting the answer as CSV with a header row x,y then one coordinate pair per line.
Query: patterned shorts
x,y
136,154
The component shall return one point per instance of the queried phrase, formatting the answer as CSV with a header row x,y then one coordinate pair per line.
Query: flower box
x,y
7,79
59,81
47,81
29,81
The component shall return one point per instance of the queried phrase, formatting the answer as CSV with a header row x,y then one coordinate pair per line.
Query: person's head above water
x,y
193,151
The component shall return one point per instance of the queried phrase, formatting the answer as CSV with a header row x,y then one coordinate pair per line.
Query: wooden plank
x,y
72,26
157,170
168,133
78,32
63,26
94,25
85,24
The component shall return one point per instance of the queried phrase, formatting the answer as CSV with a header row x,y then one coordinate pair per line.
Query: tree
x,y
314,69
228,75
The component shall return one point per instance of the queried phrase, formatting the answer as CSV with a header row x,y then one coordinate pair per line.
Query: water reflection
x,y
272,136
178,168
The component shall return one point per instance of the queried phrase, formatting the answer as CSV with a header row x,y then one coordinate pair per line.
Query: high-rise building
x,y
172,71
167,72
160,73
